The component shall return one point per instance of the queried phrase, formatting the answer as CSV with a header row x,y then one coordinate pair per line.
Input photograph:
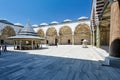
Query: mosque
x,y
67,32
103,28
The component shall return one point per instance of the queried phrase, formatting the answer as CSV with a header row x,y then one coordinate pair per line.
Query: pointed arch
x,y
51,36
65,35
8,31
51,32
82,31
41,33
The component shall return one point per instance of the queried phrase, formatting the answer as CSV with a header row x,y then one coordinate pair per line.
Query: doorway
x,y
81,41
68,41
2,41
47,42
56,41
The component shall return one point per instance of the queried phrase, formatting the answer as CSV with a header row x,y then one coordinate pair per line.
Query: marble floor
x,y
65,62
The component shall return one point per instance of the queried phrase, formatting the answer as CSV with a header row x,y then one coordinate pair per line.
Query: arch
x,y
7,32
65,35
41,33
105,35
51,35
51,32
104,27
81,32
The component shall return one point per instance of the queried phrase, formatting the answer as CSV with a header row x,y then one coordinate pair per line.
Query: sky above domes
x,y
43,11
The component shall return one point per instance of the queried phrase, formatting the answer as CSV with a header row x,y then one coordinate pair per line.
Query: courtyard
x,y
63,62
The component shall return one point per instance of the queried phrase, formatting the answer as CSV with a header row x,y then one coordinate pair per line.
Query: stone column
x,y
93,38
32,44
40,44
72,39
20,45
35,44
115,29
97,35
59,39
14,44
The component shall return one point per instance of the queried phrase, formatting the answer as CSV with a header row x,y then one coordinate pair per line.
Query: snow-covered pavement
x,y
65,62
67,51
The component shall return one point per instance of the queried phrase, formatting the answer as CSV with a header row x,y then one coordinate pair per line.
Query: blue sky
x,y
39,11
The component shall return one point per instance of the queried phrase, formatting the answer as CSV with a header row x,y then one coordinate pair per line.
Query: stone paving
x,y
65,62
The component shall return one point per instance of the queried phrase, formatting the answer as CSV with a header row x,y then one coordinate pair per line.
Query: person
x,y
2,46
5,48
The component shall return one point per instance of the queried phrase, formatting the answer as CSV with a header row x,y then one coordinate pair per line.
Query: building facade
x,y
100,26
105,24
65,33
8,29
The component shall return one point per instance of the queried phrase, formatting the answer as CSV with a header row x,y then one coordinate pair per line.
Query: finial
x,y
28,20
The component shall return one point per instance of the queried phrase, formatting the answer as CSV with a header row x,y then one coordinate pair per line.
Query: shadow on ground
x,y
15,65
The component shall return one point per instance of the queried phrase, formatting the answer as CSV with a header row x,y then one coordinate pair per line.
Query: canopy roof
x,y
26,33
26,37
27,29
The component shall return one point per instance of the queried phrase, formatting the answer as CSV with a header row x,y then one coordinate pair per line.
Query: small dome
x,y
67,20
35,25
82,18
54,22
6,21
19,24
43,24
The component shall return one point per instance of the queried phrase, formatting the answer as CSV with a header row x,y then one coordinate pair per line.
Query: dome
x,y
83,17
35,25
19,24
54,22
43,24
6,22
67,20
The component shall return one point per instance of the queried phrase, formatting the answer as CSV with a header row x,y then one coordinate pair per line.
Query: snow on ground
x,y
68,51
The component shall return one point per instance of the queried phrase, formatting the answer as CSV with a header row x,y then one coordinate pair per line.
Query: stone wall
x,y
105,35
115,30
67,36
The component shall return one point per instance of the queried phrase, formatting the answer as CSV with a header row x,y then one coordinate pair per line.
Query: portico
x,y
105,21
